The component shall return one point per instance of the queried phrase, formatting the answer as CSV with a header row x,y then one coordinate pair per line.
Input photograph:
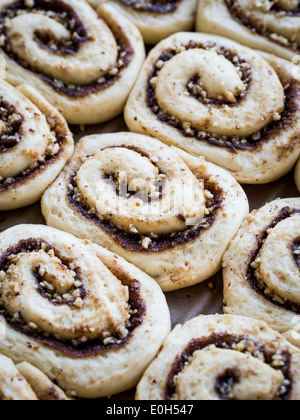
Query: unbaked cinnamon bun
x,y
35,144
83,63
268,25
262,268
156,19
86,318
167,212
297,175
223,358
215,98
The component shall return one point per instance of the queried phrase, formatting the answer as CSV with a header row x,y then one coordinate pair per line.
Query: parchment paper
x,y
205,298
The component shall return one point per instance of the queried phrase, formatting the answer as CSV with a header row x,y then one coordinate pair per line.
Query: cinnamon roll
x,y
268,25
83,63
223,358
297,175
262,267
24,382
35,144
167,212
156,19
86,318
213,97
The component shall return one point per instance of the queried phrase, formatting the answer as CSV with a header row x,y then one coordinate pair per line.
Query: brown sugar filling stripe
x,y
284,214
67,16
81,350
12,132
154,6
39,166
237,14
235,143
133,242
229,342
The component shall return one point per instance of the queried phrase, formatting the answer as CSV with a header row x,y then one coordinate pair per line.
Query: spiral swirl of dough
x,y
213,97
157,213
149,203
69,304
75,58
262,267
269,25
223,358
35,144
156,19
24,382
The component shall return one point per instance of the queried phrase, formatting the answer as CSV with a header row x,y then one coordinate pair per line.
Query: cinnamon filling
x,y
64,14
69,348
234,143
236,11
39,166
226,382
296,12
260,289
153,6
12,126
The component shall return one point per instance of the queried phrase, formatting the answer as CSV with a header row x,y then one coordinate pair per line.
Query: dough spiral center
x,y
244,378
211,89
68,299
141,194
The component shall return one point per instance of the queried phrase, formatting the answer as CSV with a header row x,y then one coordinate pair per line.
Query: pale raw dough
x,y
228,359
156,26
282,27
98,60
13,386
170,103
43,147
297,175
178,264
24,382
41,384
276,297
81,298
